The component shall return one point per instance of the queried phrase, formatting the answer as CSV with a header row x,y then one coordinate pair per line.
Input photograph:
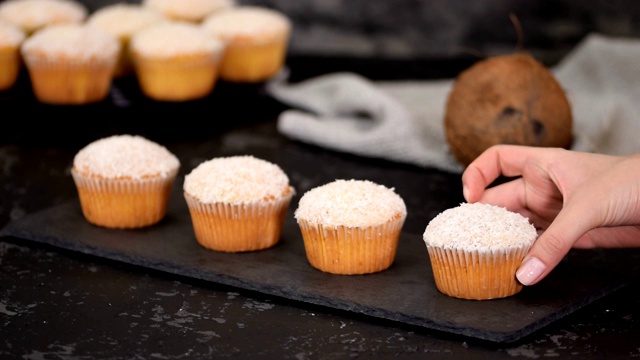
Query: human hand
x,y
575,199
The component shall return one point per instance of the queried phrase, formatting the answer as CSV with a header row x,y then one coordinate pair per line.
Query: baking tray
x,y
404,293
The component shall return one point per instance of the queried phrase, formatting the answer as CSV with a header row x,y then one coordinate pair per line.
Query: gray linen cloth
x,y
402,121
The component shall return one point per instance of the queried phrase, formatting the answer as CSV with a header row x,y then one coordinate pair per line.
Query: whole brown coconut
x,y
507,99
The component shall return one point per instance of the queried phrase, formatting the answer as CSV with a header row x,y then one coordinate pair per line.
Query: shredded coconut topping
x,y
123,19
31,15
10,35
481,227
76,41
351,203
188,10
169,39
125,156
246,21
236,180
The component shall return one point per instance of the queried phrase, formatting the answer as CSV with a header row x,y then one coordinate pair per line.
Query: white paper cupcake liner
x,y
474,274
351,250
238,227
120,203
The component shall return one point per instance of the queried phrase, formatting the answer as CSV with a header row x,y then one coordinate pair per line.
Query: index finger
x,y
506,160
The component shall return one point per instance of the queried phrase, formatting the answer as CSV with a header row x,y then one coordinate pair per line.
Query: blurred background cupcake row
x,y
341,35
177,50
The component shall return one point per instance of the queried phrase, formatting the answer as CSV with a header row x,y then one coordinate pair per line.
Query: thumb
x,y
553,245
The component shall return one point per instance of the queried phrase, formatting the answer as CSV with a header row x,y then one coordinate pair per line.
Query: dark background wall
x,y
441,29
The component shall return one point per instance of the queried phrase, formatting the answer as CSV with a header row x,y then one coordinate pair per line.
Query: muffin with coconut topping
x,y
124,181
123,20
33,15
237,203
175,61
351,226
475,250
11,37
256,41
70,64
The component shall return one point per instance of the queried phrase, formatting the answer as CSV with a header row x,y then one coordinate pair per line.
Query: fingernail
x,y
465,193
530,270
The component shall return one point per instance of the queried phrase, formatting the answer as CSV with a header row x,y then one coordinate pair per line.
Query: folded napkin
x,y
403,120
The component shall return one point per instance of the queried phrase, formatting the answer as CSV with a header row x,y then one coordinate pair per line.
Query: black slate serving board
x,y
405,292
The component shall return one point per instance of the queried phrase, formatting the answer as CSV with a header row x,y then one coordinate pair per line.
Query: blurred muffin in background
x,y
11,37
70,64
32,15
256,41
175,61
188,10
123,20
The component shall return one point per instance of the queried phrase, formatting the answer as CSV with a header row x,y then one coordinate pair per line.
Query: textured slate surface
x,y
405,292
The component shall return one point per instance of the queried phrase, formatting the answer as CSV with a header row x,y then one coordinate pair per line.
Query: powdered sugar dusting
x,y
246,21
125,156
74,41
123,19
236,180
479,226
31,15
351,203
169,39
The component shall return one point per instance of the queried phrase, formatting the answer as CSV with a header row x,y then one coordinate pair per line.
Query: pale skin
x,y
575,199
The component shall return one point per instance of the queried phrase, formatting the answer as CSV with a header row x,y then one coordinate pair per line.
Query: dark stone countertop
x,y
59,304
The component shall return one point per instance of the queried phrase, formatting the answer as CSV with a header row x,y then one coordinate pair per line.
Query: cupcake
x,y
351,226
124,181
256,38
237,203
122,20
33,15
11,37
175,61
193,11
70,64
475,250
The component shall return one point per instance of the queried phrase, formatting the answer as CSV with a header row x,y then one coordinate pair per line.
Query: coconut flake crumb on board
x,y
479,226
